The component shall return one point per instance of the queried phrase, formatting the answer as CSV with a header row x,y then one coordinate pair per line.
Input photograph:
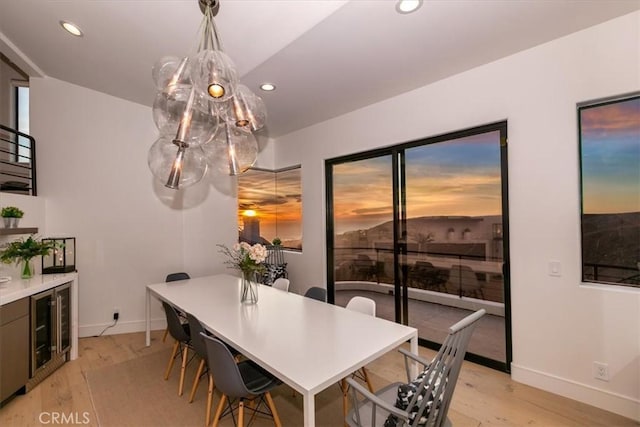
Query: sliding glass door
x,y
420,228
363,230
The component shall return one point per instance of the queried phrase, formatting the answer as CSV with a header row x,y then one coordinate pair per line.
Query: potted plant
x,y
276,242
11,216
23,251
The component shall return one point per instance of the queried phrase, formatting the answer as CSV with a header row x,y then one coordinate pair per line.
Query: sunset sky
x,y
610,136
270,193
458,177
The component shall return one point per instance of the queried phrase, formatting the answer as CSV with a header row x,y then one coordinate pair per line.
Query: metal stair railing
x,y
17,162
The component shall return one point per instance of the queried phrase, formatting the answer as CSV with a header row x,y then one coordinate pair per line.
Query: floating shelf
x,y
18,230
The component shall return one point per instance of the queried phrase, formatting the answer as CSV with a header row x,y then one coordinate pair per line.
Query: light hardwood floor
x,y
483,397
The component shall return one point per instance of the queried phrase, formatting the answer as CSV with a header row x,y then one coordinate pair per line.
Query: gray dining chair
x,y
174,277
181,334
425,400
196,331
316,293
239,382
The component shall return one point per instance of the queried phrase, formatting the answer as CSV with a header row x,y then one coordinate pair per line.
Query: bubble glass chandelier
x,y
206,119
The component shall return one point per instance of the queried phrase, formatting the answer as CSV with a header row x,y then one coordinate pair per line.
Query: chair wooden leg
x,y
216,417
272,408
164,337
209,399
241,413
171,360
196,380
345,401
185,355
366,378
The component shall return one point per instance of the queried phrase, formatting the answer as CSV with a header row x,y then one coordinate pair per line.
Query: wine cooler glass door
x,y
42,329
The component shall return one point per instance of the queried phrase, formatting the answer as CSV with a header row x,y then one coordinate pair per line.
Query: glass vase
x,y
249,288
26,268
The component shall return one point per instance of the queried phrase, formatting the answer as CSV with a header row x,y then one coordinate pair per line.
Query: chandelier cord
x,y
208,32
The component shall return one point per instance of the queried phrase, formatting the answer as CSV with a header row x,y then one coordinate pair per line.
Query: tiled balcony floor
x,y
433,320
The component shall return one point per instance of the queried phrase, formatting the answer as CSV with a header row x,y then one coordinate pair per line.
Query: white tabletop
x,y
308,344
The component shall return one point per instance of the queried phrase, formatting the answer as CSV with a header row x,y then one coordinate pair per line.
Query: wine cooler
x,y
50,331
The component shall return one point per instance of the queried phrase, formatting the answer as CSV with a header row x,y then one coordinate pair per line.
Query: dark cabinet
x,y
14,347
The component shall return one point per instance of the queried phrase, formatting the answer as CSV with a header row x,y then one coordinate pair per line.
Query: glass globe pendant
x,y
232,151
176,164
183,104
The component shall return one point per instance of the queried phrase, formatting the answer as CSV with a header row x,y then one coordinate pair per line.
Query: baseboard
x,y
121,327
622,405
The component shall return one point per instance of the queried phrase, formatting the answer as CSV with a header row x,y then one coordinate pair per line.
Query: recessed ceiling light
x,y
71,28
408,6
268,87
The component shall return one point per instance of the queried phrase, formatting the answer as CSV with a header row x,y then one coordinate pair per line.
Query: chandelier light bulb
x,y
214,74
181,77
216,90
232,151
184,109
173,181
247,109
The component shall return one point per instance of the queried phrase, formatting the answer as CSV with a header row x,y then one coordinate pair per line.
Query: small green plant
x,y
24,250
276,241
11,212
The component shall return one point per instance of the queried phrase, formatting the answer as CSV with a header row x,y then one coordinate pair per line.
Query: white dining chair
x,y
365,306
282,284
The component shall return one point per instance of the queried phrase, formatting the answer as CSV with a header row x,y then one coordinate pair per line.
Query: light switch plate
x,y
555,269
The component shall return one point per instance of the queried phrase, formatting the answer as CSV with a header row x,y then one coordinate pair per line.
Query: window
x,y
610,175
270,207
21,96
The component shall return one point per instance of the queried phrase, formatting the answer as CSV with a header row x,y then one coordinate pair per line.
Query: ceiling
x,y
325,57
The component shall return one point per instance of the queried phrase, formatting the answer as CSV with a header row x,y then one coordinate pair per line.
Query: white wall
x,y
559,325
130,230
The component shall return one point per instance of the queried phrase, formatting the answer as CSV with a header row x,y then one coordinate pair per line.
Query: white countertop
x,y
19,288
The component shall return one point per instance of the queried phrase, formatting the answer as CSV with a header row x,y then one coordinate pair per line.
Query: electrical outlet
x,y
601,371
116,314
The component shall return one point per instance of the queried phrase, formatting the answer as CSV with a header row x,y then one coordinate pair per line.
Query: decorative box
x,y
62,259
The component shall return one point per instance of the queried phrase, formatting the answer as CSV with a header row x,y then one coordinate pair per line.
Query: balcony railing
x,y
17,162
464,275
612,274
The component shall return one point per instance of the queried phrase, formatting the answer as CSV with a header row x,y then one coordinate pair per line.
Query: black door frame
x,y
397,153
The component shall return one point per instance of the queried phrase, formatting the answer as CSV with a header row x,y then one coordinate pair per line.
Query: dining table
x,y
308,344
